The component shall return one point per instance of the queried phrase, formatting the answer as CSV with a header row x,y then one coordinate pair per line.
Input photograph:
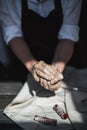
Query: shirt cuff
x,y
69,32
11,32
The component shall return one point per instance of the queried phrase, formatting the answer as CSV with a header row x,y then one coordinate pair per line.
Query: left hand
x,y
47,75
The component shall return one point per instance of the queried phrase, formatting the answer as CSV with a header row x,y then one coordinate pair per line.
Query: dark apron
x,y
41,33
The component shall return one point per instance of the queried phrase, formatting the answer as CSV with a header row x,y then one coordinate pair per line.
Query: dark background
x,y
13,71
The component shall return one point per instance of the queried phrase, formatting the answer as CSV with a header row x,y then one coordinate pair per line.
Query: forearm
x,y
63,54
21,50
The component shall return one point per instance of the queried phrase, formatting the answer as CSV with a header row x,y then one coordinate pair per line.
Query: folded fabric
x,y
35,100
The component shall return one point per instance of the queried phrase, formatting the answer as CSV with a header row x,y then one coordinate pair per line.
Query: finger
x,y
57,78
43,67
43,83
48,69
35,76
55,87
43,75
40,65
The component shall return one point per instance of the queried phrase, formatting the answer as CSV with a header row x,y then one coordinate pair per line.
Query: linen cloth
x,y
35,100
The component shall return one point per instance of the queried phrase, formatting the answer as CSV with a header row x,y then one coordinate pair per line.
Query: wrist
x,y
60,66
29,65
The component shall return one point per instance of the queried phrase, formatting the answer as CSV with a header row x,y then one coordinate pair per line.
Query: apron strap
x,y
24,5
58,5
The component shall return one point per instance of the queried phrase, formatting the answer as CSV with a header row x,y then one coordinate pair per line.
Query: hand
x,y
48,76
47,85
45,71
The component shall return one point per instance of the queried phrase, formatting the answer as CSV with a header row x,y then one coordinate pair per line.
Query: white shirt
x,y
10,17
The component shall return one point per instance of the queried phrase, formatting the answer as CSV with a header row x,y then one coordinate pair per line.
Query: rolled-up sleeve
x,y
71,14
11,32
10,27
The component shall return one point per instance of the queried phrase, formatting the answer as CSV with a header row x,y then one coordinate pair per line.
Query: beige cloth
x,y
34,100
